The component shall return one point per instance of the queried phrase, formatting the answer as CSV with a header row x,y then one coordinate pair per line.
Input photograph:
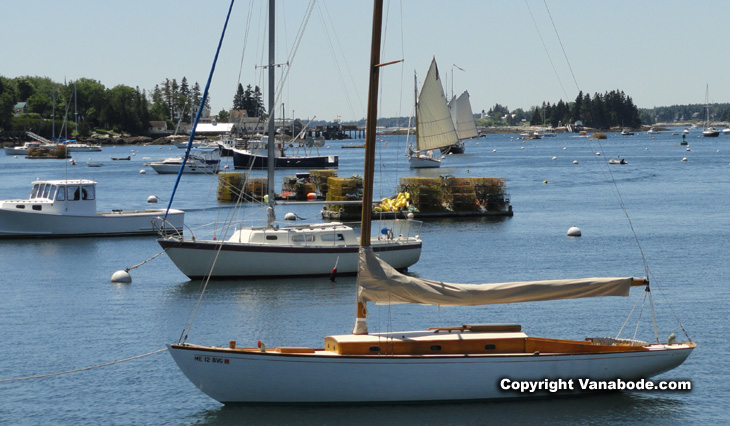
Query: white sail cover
x,y
463,116
434,126
378,282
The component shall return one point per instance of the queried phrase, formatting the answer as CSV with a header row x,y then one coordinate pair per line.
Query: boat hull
x,y
196,259
243,159
21,224
421,162
235,376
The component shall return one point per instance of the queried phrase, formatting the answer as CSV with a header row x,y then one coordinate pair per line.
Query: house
x,y
20,108
158,128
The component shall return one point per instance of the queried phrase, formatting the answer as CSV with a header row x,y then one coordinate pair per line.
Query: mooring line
x,y
16,379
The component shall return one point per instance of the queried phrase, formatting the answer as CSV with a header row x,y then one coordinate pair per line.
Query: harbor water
x,y
59,312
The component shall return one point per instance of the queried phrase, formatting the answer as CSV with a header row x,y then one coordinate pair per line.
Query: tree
x,y
238,98
223,116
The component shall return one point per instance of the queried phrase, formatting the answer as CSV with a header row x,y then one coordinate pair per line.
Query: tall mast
x,y
270,212
370,125
361,326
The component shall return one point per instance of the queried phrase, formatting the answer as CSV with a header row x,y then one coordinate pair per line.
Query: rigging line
x,y
347,67
42,376
561,46
292,54
631,313
245,41
546,50
199,112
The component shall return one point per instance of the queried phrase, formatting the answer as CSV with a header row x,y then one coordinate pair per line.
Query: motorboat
x,y
203,161
67,208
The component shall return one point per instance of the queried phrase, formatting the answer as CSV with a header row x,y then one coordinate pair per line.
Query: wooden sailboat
x,y
466,127
434,125
288,251
462,363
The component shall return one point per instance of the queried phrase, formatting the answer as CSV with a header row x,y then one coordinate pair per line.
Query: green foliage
x,y
602,111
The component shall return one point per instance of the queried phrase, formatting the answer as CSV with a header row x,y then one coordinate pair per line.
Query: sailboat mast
x,y
271,214
370,124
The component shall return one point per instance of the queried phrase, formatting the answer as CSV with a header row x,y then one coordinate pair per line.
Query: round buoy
x,y
575,161
688,149
544,181
290,216
410,215
143,172
555,158
522,147
684,159
152,199
494,150
311,196
226,167
565,147
121,277
598,153
574,231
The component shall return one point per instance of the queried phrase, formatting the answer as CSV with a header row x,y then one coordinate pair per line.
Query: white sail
x,y
463,116
434,126
380,283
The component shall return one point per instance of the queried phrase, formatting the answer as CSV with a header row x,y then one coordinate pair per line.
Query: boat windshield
x,y
43,190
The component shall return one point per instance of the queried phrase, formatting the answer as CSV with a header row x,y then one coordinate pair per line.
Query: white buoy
x,y
121,277
143,171
684,159
555,158
598,153
565,147
410,215
574,231
290,216
688,149
152,199
575,161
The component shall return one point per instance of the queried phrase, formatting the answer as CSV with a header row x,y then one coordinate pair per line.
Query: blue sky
x,y
658,52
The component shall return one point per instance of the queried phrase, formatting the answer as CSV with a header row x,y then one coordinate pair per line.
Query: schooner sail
x,y
434,125
466,127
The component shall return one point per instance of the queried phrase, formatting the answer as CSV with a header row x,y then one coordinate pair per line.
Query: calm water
x,y
59,311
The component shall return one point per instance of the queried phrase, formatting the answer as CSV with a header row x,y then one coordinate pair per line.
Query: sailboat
x,y
708,131
289,251
434,125
461,363
466,127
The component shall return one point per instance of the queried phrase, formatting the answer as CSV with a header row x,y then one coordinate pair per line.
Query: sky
x,y
515,53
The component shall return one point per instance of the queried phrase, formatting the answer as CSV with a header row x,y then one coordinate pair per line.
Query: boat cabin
x,y
76,197
325,234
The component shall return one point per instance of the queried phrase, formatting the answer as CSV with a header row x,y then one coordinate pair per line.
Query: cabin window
x,y
87,192
46,191
74,193
34,192
300,238
19,206
436,347
37,207
52,192
61,196
374,348
272,237
490,347
330,237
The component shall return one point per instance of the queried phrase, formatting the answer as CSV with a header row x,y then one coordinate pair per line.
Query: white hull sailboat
x,y
709,131
434,125
463,363
291,251
284,251
205,161
67,208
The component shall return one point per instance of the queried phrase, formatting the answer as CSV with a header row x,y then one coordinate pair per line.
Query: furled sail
x,y
381,284
463,116
435,128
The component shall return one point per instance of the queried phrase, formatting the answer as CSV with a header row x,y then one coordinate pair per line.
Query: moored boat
x,y
67,208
